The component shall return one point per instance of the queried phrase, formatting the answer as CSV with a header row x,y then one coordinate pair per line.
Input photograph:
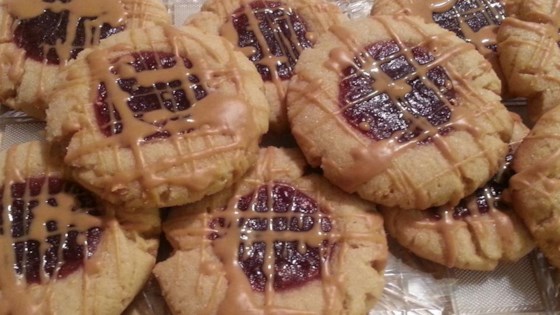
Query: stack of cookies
x,y
397,127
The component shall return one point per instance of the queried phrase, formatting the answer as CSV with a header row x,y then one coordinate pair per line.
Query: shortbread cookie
x,y
159,117
478,233
535,187
530,59
280,242
37,37
64,251
475,21
402,112
272,34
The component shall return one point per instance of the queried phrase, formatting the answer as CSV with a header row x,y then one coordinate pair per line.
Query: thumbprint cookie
x,y
63,250
280,242
159,117
475,21
535,188
272,34
402,112
477,233
37,37
530,55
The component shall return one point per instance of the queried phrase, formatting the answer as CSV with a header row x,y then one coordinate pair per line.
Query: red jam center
x,y
476,14
294,213
484,199
281,35
168,95
379,113
65,251
39,35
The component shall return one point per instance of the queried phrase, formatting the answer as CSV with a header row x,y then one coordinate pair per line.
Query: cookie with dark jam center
x,y
65,246
39,35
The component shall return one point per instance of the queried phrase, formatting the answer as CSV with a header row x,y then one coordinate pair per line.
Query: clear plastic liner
x,y
413,285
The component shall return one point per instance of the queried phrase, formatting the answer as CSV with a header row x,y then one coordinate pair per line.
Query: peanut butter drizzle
x,y
217,114
240,298
375,157
269,60
105,11
15,294
447,225
482,39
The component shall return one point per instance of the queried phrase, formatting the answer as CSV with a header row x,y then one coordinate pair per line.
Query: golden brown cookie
x,y
279,242
272,34
38,37
539,11
475,21
535,189
159,117
530,56
402,112
477,233
63,250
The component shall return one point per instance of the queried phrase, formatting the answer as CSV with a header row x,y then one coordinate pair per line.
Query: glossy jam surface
x,y
167,95
279,32
59,253
39,35
378,113
290,214
475,14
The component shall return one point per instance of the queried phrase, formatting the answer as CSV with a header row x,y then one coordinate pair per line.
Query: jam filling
x,y
281,35
381,113
58,250
39,35
161,94
476,14
291,216
483,200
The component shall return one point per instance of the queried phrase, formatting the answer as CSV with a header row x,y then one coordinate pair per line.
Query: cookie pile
x,y
520,39
397,124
